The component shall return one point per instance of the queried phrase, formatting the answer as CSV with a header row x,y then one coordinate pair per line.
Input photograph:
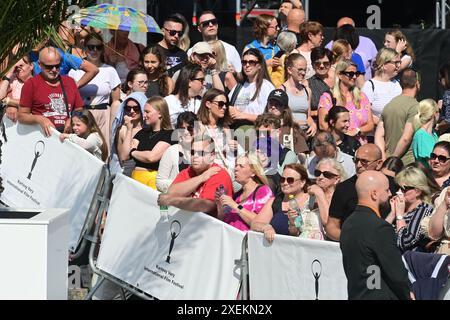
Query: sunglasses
x,y
289,180
91,47
136,109
206,23
363,161
326,174
441,159
351,74
220,104
174,32
250,62
51,66
197,153
326,64
404,189
202,80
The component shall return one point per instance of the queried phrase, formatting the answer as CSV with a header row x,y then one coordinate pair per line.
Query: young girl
x,y
87,134
159,84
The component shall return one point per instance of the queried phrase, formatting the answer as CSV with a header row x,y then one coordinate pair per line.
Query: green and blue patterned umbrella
x,y
108,16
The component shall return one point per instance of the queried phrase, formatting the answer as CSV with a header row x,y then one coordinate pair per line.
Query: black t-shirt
x,y
349,145
176,58
147,141
345,199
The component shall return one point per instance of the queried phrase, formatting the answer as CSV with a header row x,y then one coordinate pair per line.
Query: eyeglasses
x,y
250,62
405,189
326,64
136,109
142,82
50,66
351,74
396,63
220,104
206,23
91,47
326,174
441,159
289,180
363,161
202,80
197,153
174,32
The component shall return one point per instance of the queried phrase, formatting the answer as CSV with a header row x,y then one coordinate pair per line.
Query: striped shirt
x,y
410,237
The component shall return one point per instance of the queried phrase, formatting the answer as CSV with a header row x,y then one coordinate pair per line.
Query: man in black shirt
x,y
175,57
344,200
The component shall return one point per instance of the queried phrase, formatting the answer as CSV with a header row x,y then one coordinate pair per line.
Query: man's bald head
x,y
371,150
345,20
295,18
50,63
49,53
372,188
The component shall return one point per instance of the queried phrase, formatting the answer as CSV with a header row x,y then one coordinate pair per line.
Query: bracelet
x,y
131,151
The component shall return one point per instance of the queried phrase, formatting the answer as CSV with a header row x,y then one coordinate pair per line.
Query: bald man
x,y
372,262
344,200
294,19
366,48
45,100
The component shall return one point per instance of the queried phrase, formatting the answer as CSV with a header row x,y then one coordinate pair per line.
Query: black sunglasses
x,y
50,66
206,23
220,104
326,64
441,159
326,174
250,62
404,189
351,74
363,161
174,32
91,47
290,180
202,80
136,109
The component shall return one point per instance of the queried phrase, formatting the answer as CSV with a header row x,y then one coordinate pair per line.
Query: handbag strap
x,y
235,94
65,97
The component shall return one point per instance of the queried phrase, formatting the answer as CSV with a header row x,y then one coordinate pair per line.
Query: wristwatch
x,y
399,217
240,207
6,78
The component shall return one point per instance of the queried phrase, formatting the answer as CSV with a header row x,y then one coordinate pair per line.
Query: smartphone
x,y
279,54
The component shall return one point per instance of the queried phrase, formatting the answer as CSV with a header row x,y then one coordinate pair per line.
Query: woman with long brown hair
x,y
159,84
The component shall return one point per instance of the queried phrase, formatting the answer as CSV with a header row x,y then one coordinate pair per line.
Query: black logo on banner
x,y
316,269
38,151
175,229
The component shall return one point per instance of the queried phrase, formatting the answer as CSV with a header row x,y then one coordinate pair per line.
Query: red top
x,y
207,190
48,101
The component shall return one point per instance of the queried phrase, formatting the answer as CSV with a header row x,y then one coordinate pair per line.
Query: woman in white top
x,y
103,89
382,88
187,93
311,34
396,40
251,98
178,156
299,94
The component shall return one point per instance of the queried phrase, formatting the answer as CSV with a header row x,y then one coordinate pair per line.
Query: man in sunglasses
x,y
208,26
344,200
367,241
194,188
49,99
395,130
172,30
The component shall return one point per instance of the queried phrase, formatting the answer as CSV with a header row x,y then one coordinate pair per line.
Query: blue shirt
x,y
268,51
68,62
356,58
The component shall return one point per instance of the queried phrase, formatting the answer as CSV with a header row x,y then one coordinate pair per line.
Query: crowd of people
x,y
273,139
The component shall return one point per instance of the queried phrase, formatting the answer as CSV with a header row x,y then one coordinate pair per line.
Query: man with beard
x,y
345,198
372,262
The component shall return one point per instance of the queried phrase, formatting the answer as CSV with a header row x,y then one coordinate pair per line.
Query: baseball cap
x,y
201,48
280,96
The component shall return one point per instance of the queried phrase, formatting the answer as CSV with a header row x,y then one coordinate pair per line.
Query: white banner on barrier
x,y
295,269
182,256
42,172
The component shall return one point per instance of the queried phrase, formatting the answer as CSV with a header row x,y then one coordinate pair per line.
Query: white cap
x,y
202,47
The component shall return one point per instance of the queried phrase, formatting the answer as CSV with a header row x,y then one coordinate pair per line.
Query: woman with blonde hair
x,y
425,137
383,87
409,207
150,143
248,201
395,39
222,66
345,93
